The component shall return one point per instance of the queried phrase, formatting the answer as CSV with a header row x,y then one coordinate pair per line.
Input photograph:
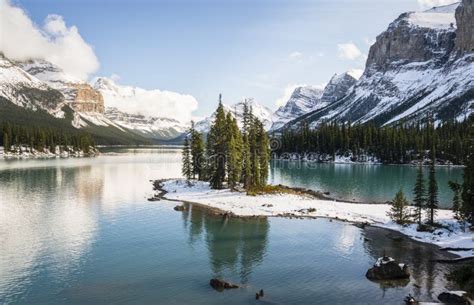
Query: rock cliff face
x,y
86,99
465,22
78,94
419,68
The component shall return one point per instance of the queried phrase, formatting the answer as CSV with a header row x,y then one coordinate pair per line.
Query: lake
x,y
81,231
359,182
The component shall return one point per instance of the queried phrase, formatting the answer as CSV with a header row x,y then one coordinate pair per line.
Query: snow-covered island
x,y
240,204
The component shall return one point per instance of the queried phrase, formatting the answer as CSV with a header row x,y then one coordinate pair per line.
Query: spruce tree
x,y
186,169
264,154
6,142
468,177
218,129
432,199
457,200
398,212
234,153
419,195
197,154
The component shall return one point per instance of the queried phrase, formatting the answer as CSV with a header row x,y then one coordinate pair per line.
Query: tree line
x,y
229,157
41,138
426,196
390,144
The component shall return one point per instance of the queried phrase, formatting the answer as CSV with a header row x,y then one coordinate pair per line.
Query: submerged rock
x,y
453,297
386,268
179,208
220,285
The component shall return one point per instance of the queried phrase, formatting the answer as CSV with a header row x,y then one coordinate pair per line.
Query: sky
x,y
200,48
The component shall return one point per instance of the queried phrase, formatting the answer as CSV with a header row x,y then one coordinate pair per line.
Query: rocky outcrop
x,y
465,23
78,94
386,268
454,297
86,99
221,285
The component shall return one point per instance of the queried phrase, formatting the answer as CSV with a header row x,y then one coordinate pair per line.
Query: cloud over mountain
x,y
21,39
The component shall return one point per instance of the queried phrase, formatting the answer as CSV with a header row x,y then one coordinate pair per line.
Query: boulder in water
x,y
453,297
220,285
386,268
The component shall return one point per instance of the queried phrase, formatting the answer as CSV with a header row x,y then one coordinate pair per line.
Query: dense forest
x,y
230,155
389,144
40,138
21,118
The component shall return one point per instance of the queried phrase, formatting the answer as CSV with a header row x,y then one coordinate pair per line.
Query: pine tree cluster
x,y
231,157
389,144
39,138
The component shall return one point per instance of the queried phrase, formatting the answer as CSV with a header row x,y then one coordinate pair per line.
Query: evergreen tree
x,y
468,177
419,195
398,212
234,153
264,154
457,200
197,154
432,199
217,159
6,142
186,157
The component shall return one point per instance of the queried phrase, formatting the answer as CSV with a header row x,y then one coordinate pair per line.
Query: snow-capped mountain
x,y
149,127
310,98
27,91
421,66
158,128
237,110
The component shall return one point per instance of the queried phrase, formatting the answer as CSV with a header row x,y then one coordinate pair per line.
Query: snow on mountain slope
x,y
259,111
303,100
149,127
25,90
307,99
153,102
441,17
414,71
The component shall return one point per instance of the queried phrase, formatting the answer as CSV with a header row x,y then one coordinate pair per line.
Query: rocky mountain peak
x,y
414,37
465,26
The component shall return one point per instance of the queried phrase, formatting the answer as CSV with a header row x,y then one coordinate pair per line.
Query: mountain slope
x,y
156,128
415,70
309,98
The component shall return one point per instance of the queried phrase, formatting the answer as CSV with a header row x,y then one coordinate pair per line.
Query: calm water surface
x,y
366,183
80,231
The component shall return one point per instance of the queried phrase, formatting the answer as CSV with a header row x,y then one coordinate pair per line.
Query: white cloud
x,y
156,103
349,51
432,3
296,55
21,39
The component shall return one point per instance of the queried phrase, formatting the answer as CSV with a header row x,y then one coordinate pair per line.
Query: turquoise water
x,y
80,231
366,183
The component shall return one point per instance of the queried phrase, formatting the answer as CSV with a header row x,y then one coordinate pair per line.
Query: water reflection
x,y
34,226
427,276
234,245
